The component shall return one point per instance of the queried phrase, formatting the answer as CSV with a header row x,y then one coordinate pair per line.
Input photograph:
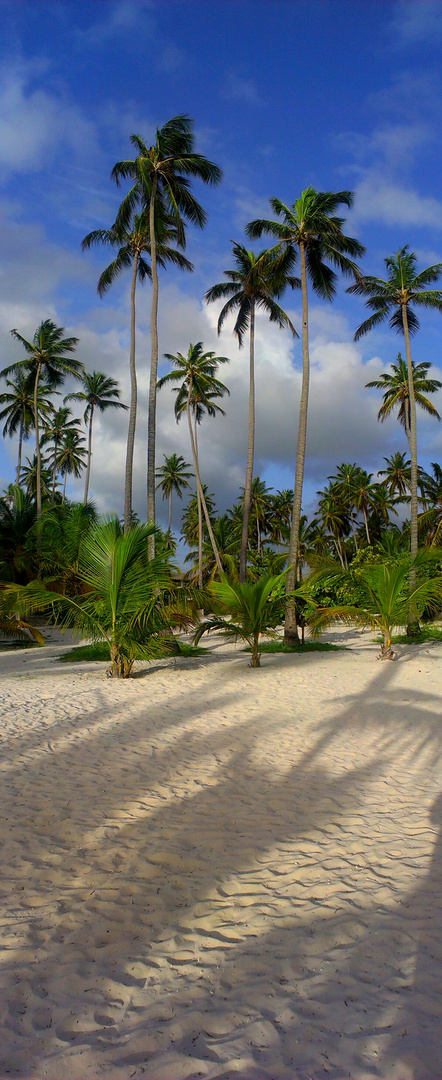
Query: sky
x,y
283,94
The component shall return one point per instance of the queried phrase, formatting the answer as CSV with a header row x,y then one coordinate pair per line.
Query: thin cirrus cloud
x,y
236,88
33,122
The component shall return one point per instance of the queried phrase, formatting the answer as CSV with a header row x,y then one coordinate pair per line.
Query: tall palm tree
x,y
394,383
18,412
99,392
397,476
334,517
311,227
191,518
160,175
34,473
395,299
71,457
431,520
195,396
48,354
55,431
132,239
173,476
255,283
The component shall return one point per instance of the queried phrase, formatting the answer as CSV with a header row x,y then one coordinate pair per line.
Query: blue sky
x,y
337,94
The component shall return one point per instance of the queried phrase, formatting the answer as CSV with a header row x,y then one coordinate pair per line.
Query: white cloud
x,y
34,122
382,200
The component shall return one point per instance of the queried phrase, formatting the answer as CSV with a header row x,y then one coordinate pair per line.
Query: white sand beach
x,y
210,871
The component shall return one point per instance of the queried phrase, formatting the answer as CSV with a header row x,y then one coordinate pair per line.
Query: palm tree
x,y
280,516
35,474
47,355
71,457
246,611
173,477
99,392
431,519
311,227
394,299
227,545
379,596
120,598
394,383
160,175
255,283
17,540
196,396
191,518
355,487
132,240
397,476
334,517
55,431
18,412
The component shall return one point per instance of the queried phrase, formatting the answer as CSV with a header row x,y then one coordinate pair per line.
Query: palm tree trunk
x,y
413,622
412,439
64,486
169,522
200,516
151,430
133,404
38,455
364,511
54,470
20,450
199,485
89,456
290,627
250,451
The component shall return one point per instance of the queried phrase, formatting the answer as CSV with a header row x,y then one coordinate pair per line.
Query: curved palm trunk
x,y
199,485
151,431
169,523
290,627
413,623
38,455
250,451
64,486
89,457
20,451
133,404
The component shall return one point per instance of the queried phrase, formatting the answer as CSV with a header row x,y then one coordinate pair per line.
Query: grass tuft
x,y
426,634
308,646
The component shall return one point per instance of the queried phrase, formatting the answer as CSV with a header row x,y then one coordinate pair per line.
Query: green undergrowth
x,y
99,650
308,646
14,645
426,634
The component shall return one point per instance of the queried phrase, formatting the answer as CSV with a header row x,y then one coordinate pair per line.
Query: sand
x,y
211,871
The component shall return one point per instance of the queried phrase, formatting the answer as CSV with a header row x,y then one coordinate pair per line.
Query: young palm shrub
x,y
121,598
380,596
246,611
12,622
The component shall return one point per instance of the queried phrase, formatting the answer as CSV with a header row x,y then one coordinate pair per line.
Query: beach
x,y
213,871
